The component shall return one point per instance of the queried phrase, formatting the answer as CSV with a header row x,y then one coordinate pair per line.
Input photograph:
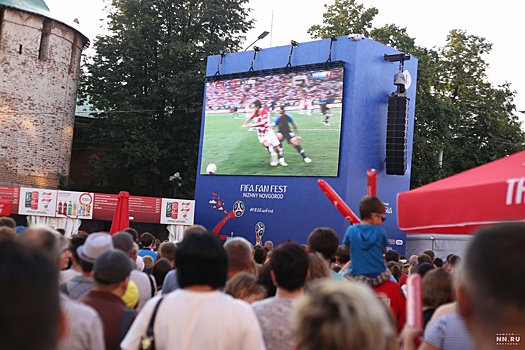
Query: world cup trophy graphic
x,y
259,232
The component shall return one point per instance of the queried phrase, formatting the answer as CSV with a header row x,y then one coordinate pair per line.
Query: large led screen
x,y
277,123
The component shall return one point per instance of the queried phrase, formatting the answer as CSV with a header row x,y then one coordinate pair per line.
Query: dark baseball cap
x,y
112,266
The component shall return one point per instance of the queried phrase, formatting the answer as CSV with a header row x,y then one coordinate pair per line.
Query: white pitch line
x,y
322,129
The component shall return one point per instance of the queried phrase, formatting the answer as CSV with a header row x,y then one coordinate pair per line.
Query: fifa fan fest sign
x,y
282,125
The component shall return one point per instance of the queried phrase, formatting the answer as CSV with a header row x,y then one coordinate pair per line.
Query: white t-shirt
x,y
140,263
143,282
198,320
66,275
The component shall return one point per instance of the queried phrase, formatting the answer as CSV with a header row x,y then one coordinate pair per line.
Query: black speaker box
x,y
396,135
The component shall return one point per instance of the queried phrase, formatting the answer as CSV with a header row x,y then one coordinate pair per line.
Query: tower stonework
x,y
39,69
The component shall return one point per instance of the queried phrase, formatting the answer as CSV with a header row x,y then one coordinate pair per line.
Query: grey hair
x,y
352,317
239,252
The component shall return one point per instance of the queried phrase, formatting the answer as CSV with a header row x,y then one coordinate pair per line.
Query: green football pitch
x,y
237,151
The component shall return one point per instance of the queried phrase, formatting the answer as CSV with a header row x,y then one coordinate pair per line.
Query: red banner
x,y
5,207
145,209
104,206
141,209
10,194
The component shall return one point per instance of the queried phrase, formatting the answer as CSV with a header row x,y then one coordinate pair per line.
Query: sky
x,y
500,23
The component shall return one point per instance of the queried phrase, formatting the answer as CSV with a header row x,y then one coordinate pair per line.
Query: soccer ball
x,y
259,228
211,168
238,208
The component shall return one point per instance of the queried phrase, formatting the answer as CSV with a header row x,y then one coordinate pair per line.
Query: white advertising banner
x,y
37,201
74,205
176,211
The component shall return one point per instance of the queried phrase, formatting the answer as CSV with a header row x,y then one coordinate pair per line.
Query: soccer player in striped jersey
x,y
265,133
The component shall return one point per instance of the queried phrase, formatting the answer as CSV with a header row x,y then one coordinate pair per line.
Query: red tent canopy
x,y
488,194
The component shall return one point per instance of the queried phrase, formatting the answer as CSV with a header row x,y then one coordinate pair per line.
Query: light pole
x,y
176,181
262,36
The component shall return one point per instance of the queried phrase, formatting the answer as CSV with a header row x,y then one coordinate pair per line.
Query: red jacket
x,y
390,292
403,279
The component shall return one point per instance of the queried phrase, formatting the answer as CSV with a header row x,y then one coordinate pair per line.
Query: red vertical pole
x,y
371,175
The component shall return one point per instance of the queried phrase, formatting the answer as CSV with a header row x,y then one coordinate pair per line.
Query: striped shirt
x,y
262,117
449,332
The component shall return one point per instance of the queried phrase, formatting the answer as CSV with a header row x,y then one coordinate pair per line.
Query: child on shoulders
x,y
368,241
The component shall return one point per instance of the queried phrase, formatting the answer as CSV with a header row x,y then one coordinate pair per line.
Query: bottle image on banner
x,y
175,210
60,208
28,200
34,200
168,209
69,208
74,211
88,209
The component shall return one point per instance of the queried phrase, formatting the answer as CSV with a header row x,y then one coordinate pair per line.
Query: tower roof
x,y
37,7
33,6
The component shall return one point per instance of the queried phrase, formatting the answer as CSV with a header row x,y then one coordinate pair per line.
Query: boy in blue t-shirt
x,y
368,241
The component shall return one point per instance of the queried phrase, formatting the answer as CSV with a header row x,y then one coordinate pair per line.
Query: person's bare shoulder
x,y
444,309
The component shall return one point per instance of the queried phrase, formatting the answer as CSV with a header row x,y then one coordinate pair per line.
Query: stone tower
x,y
39,68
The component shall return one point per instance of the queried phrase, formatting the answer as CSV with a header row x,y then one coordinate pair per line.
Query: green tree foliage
x,y
147,76
485,127
342,18
394,37
460,117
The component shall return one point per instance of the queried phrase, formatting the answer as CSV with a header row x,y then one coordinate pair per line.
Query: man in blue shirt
x,y
148,243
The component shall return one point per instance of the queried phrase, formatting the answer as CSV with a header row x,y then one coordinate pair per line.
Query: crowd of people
x,y
127,291
288,89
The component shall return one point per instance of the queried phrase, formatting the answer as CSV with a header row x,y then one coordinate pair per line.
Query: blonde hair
x,y
337,315
317,268
254,268
242,285
148,261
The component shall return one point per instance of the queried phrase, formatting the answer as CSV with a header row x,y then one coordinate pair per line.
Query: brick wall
x,y
38,85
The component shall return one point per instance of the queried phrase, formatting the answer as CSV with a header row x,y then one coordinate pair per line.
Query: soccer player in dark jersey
x,y
283,122
272,104
323,102
261,120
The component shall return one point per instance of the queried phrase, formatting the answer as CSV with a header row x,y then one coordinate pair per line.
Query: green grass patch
x,y
237,151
